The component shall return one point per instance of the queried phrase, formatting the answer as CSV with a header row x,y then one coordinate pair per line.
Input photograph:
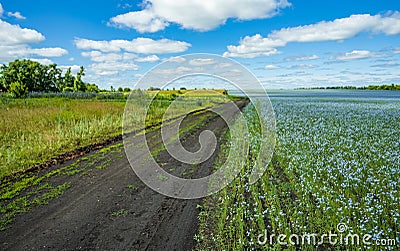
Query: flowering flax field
x,y
335,170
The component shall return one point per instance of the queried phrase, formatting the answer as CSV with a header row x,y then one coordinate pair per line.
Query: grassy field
x,y
336,162
34,130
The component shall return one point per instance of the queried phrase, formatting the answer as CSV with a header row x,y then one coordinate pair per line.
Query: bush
x,y
78,95
18,89
92,88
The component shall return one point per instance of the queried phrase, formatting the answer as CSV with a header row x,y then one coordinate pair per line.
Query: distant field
x,y
34,130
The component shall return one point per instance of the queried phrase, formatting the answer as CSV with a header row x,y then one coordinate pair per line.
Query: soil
x,y
112,209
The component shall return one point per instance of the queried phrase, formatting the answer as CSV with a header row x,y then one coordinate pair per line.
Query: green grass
x,y
162,177
34,130
110,148
24,203
120,212
133,187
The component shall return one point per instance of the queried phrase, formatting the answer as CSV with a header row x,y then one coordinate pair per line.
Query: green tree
x,y
52,78
26,72
35,77
3,87
79,85
67,82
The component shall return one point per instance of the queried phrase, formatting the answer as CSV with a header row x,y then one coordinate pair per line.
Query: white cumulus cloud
x,y
302,58
12,52
17,15
148,59
44,61
177,59
336,30
202,61
303,66
195,14
48,52
11,34
142,21
112,68
359,54
138,45
271,67
254,46
98,56
15,43
74,68
109,64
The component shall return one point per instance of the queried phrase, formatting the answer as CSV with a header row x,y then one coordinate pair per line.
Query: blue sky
x,y
286,44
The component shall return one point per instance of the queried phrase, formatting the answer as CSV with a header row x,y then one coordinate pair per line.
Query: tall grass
x,y
33,130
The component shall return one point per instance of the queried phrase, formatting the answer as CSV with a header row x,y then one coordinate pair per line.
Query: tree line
x,y
391,87
23,76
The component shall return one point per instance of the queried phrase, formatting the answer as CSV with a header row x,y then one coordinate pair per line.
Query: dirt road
x,y
107,207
